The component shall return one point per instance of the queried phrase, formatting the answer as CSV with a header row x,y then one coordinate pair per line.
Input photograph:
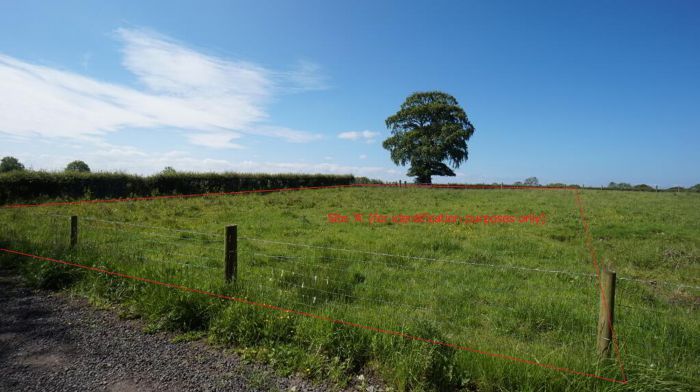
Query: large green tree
x,y
429,130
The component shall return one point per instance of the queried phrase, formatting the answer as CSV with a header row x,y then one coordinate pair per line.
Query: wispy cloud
x,y
214,140
85,60
113,157
166,66
367,136
215,100
303,167
288,134
305,76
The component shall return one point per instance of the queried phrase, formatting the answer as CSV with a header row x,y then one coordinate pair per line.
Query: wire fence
x,y
342,279
371,256
309,274
313,275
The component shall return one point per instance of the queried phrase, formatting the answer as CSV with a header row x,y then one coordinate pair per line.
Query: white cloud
x,y
214,140
288,134
166,66
367,136
363,156
215,100
110,157
304,167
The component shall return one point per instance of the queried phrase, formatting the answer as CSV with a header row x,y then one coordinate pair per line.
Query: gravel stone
x,y
53,342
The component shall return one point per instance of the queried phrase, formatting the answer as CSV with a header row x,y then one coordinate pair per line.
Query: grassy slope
x,y
549,318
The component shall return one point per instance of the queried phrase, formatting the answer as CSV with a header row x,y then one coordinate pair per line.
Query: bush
x,y
33,186
52,276
643,187
620,185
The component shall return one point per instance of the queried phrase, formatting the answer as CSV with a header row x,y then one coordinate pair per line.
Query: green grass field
x,y
491,287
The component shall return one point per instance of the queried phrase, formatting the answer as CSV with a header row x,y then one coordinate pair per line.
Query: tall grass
x,y
456,286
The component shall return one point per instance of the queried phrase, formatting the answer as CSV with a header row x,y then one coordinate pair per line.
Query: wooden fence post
x,y
73,231
231,256
606,316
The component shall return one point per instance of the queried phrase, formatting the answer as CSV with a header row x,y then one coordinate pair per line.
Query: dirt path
x,y
50,342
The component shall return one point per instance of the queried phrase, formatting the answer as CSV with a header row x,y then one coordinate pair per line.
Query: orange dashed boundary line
x,y
594,257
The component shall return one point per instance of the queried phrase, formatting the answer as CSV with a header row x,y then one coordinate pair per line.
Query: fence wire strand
x,y
380,254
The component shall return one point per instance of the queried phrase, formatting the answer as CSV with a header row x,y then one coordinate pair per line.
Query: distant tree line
x,y
76,181
12,164
623,186
530,181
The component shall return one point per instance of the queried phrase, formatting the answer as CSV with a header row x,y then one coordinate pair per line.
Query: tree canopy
x,y
78,166
168,170
532,181
429,129
9,164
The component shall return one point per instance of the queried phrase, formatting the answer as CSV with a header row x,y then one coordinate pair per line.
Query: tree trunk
x,y
424,180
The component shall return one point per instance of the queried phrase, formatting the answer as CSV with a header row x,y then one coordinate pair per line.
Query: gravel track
x,y
52,342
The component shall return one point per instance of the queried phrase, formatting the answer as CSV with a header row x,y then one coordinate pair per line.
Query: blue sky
x,y
568,91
